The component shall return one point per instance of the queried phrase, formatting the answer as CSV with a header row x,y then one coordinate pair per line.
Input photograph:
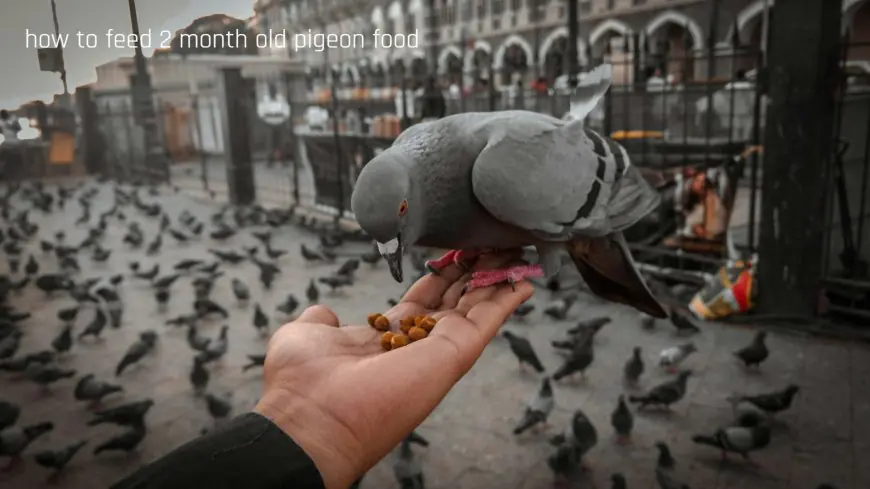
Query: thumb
x,y
318,314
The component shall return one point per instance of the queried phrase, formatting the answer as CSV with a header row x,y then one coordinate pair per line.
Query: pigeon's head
x,y
384,206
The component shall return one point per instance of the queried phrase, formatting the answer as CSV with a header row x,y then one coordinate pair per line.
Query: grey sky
x,y
21,80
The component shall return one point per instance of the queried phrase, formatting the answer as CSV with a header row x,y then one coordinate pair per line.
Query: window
x,y
585,7
638,3
497,7
481,9
410,23
611,4
516,5
467,10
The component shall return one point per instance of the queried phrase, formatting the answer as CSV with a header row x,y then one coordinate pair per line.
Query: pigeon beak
x,y
392,253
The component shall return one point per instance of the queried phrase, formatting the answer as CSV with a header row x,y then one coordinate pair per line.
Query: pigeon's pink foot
x,y
463,258
512,275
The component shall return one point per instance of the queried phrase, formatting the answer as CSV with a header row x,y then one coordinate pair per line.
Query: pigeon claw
x,y
512,275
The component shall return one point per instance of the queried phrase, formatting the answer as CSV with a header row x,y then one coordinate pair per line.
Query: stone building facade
x,y
510,39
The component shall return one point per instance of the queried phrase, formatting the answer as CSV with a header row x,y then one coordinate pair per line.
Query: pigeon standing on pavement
x,y
522,349
91,389
671,358
14,440
664,394
62,343
741,440
756,353
539,409
683,324
261,321
581,357
407,468
58,459
241,291
137,351
770,403
558,309
218,407
580,437
634,367
125,442
199,376
499,178
622,421
312,293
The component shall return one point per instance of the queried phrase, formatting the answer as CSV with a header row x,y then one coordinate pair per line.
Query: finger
x,y
428,290
403,310
488,316
487,262
319,315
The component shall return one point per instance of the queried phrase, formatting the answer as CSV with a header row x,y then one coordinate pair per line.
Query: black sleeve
x,y
249,452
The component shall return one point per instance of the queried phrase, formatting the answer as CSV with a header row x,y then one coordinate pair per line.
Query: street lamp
x,y
573,37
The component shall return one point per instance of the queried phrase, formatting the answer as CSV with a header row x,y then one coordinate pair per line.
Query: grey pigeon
x,y
241,291
664,394
671,358
216,348
58,459
665,459
195,341
558,308
261,321
770,403
588,328
622,421
634,367
756,353
683,324
9,413
407,468
129,414
62,343
137,351
741,440
254,361
312,293
580,437
538,409
289,306
522,349
218,408
46,375
617,481
96,326
10,344
89,388
14,440
125,442
523,309
477,181
578,361
199,376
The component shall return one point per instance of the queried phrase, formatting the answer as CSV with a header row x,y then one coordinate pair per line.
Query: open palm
x,y
346,402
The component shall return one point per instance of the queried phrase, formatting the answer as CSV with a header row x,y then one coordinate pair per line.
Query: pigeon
x,y
125,442
328,253
183,320
756,353
312,293
150,274
622,421
522,349
187,265
263,237
371,257
737,439
289,306
195,341
261,321
230,257
218,408
58,459
9,414
254,361
130,414
538,409
14,440
45,375
137,351
32,267
241,291
664,394
334,282
683,324
665,459
63,342
558,309
46,246
579,360
162,297
664,469
617,481
166,281
177,235
91,389
155,245
523,310
268,271
771,403
10,344
217,348
407,468
69,314
671,358
100,255
222,233
50,283
199,376
310,255
586,329
580,437
348,268
207,307
634,367
471,171
273,253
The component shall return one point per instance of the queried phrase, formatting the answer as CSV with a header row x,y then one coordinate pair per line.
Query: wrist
x,y
308,427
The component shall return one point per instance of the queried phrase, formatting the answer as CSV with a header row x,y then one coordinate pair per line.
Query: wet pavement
x,y
825,437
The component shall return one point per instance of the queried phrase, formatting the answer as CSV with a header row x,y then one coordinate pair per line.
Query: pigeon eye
x,y
403,208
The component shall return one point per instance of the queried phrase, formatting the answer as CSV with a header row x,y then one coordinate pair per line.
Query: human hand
x,y
348,403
